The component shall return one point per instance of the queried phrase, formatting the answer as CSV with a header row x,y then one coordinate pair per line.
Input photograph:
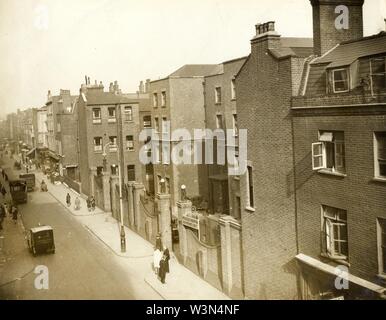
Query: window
x,y
155,100
334,233
380,154
165,125
147,121
130,143
233,89
112,114
163,98
130,172
217,94
219,121
251,202
96,115
378,72
235,126
167,184
382,246
99,171
340,80
98,144
114,170
329,152
128,114
113,144
156,124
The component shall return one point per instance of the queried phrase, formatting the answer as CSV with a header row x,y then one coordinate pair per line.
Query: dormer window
x,y
340,80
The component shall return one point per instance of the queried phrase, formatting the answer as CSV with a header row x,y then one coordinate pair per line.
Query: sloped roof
x,y
100,98
197,70
294,47
348,52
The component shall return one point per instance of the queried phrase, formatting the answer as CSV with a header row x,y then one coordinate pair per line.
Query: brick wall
x,y
269,242
363,198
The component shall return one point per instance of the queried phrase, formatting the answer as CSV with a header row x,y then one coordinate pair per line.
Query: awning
x,y
53,155
336,272
30,152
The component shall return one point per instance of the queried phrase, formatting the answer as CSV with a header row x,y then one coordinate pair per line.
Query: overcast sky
x,y
53,44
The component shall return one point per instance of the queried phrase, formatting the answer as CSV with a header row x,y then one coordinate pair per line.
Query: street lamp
x,y
122,232
183,192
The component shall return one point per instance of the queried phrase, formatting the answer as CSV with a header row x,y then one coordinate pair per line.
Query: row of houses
x,y
311,202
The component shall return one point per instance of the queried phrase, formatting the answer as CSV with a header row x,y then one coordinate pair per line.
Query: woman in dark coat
x,y
68,199
162,269
15,212
167,258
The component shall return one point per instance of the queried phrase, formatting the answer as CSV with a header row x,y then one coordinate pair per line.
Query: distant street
x,y
81,268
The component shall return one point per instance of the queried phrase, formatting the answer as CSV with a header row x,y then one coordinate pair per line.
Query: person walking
x,y
15,212
93,203
157,256
162,269
2,216
88,203
68,200
167,258
77,204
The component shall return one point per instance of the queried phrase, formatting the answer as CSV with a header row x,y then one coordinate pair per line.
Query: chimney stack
x,y
111,87
147,86
266,35
328,32
141,87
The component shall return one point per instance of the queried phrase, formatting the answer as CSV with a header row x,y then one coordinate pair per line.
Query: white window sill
x,y
237,178
339,260
250,209
331,173
97,121
379,179
112,120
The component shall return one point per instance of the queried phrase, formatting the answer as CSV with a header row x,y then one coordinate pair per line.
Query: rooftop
x,y
347,52
197,70
294,47
101,98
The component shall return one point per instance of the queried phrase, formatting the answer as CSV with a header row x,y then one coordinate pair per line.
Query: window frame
x,y
377,170
155,99
112,119
128,141
113,147
98,145
333,71
380,247
339,156
329,239
233,89
128,115
219,125
131,170
96,120
163,98
218,95
250,187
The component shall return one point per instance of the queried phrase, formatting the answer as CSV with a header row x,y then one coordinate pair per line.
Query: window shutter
x,y
318,158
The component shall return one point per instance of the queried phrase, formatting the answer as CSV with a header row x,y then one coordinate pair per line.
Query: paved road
x,y
81,268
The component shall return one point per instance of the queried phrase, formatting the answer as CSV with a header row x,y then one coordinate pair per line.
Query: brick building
x,y
108,118
179,100
221,113
264,87
339,132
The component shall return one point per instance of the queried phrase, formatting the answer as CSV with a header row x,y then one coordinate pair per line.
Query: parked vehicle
x,y
30,179
41,240
17,187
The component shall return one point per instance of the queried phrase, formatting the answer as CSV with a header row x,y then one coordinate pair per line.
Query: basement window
x,y
329,153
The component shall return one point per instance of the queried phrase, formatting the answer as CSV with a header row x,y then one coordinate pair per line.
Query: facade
x,y
264,87
221,113
108,124
41,128
179,101
339,151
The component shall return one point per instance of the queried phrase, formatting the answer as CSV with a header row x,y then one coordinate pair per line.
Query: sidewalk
x,y
181,284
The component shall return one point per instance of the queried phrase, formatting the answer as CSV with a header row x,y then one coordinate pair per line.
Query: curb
x,y
107,245
158,292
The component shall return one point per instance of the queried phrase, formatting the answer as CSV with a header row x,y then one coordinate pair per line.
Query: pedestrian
x,y
77,204
15,213
88,203
68,200
162,269
158,242
2,216
157,256
167,258
93,203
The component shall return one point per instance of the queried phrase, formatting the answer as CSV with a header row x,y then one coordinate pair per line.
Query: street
x,y
81,268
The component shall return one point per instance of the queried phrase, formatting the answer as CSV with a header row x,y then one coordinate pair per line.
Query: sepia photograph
x,y
193,150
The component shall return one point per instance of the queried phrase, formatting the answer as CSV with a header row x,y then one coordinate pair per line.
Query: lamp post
x,y
122,228
183,192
